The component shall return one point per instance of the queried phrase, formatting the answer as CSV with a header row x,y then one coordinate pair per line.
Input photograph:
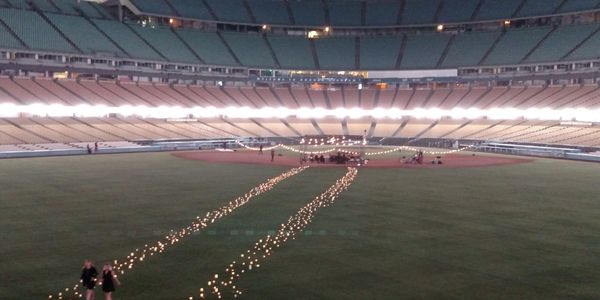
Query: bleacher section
x,y
336,53
230,10
192,9
379,53
249,49
560,42
66,31
382,13
424,51
344,13
34,31
291,52
166,43
514,45
469,49
351,13
126,39
44,133
269,12
85,36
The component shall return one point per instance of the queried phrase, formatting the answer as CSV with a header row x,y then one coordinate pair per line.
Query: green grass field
x,y
528,231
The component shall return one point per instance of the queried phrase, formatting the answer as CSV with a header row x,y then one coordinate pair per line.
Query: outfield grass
x,y
528,231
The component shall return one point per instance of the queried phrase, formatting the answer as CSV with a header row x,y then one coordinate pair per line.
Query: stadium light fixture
x,y
440,27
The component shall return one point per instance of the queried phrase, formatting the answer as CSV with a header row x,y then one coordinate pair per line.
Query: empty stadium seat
x,y
336,53
292,52
384,13
251,50
515,44
308,12
36,32
166,42
191,9
457,10
269,12
379,53
468,49
498,9
127,39
231,10
419,11
79,31
423,51
209,47
538,7
560,42
344,13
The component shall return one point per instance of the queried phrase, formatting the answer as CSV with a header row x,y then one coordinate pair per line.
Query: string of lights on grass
x,y
224,286
174,237
382,152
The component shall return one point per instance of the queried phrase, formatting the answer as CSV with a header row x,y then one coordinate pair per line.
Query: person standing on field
x,y
272,155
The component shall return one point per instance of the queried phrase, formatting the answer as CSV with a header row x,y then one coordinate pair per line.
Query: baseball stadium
x,y
299,149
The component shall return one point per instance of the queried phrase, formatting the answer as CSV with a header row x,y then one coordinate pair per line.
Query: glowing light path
x,y
85,110
139,255
263,248
356,153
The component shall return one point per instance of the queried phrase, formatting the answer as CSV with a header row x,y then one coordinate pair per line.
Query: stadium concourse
x,y
299,149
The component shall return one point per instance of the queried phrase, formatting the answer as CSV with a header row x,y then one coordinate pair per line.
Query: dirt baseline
x,y
449,161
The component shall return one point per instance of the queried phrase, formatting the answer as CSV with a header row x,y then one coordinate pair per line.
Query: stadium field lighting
x,y
10,110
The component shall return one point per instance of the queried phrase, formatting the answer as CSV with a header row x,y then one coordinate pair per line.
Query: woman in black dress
x,y
108,281
88,279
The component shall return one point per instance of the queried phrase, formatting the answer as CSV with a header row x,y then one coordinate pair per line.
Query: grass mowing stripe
x,y
139,255
264,248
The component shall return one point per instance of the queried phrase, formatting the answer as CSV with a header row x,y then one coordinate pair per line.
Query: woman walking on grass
x,y
108,281
88,279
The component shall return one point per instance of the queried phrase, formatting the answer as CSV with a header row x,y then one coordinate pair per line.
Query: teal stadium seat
x,y
44,5
127,39
93,10
419,11
538,7
308,12
383,13
230,10
193,9
336,53
379,53
292,52
89,9
498,9
79,31
578,5
468,49
251,50
22,4
345,13
423,51
270,12
155,7
8,41
166,42
66,6
515,44
34,30
457,11
590,49
208,46
561,42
